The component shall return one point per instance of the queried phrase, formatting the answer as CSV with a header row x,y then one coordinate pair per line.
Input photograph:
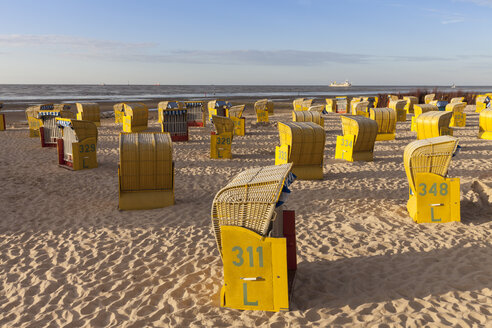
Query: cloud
x,y
452,21
483,3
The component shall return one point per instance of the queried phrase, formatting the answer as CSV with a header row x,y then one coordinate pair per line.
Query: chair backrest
x,y
89,111
428,98
249,200
119,107
373,101
306,141
170,104
456,100
418,109
307,116
397,104
364,129
222,124
261,104
428,156
431,124
456,107
75,131
385,118
145,161
236,111
307,103
360,106
138,112
317,108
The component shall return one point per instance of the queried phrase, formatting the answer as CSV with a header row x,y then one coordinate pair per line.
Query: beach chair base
x,y
45,143
2,122
437,199
79,117
308,172
180,138
362,113
145,200
256,273
118,117
194,123
480,107
401,115
385,136
458,120
128,128
220,145
344,150
34,125
262,116
84,155
239,126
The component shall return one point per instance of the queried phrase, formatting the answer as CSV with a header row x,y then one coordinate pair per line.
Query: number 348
x,y
443,189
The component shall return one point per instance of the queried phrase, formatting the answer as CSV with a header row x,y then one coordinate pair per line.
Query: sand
x,y
69,257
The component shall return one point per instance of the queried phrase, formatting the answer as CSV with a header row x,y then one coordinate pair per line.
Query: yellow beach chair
x,y
135,118
428,98
459,117
308,116
49,132
236,115
256,240
145,171
418,110
168,105
357,142
303,144
386,120
399,107
261,111
221,139
410,101
89,112
331,105
196,113
485,124
482,102
218,107
433,124
77,149
433,197
360,108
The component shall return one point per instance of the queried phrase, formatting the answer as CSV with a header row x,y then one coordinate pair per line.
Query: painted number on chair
x,y
240,260
346,143
433,190
282,155
223,141
87,148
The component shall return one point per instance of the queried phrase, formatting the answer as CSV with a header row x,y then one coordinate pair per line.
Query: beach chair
x,y
221,139
419,109
303,144
135,118
236,115
485,124
357,142
386,120
175,122
360,108
433,196
145,171
459,117
168,105
218,107
399,107
261,111
428,98
317,108
256,239
49,132
482,102
354,101
297,103
89,112
77,149
433,124
32,118
410,101
308,116
331,105
457,100
119,112
342,105
2,120
196,113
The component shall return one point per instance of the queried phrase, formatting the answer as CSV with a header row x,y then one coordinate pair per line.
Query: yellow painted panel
x,y
485,124
239,126
2,122
220,145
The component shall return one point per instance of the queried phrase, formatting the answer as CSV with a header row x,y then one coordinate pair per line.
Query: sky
x,y
298,42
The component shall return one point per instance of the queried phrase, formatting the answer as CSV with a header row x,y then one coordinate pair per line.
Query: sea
x,y
37,93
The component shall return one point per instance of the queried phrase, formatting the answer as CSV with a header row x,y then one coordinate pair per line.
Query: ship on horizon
x,y
345,84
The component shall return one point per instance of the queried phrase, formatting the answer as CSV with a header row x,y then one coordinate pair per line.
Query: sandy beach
x,y
69,257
